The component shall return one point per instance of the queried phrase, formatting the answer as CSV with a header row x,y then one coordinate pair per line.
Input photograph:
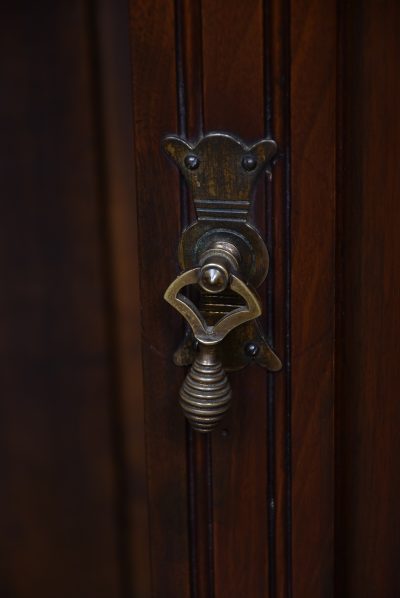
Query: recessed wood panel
x,y
312,240
368,468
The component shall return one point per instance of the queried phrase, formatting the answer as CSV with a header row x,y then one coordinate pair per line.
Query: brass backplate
x,y
221,173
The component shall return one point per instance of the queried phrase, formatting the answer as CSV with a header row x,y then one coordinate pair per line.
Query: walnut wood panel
x,y
188,29
313,180
58,492
234,102
159,223
249,69
368,467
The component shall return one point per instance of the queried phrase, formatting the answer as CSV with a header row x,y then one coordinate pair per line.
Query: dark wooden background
x,y
297,496
72,497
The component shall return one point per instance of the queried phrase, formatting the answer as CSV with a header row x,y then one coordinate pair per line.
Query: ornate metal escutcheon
x,y
223,260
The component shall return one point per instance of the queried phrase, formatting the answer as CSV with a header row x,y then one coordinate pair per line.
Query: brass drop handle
x,y
221,252
205,395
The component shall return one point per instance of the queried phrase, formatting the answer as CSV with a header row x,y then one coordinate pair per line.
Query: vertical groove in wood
x,y
193,67
233,102
270,312
277,119
181,95
340,517
182,115
192,521
188,30
210,519
288,300
277,27
287,361
159,218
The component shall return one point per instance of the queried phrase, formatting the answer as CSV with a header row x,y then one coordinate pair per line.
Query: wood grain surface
x,y
58,492
113,104
159,223
313,239
368,472
296,496
253,70
188,27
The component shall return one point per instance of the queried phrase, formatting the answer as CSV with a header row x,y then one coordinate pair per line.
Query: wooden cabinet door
x,y
106,491
247,510
287,498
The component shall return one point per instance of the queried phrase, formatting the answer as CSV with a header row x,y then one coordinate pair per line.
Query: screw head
x,y
249,162
251,349
192,161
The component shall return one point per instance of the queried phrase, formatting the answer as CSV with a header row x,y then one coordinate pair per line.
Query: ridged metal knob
x,y
205,395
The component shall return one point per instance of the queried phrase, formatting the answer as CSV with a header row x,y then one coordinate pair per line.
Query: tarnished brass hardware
x,y
233,350
203,332
226,258
205,395
216,263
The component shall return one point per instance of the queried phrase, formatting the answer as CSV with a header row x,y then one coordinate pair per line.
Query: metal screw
x,y
192,162
251,349
249,162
